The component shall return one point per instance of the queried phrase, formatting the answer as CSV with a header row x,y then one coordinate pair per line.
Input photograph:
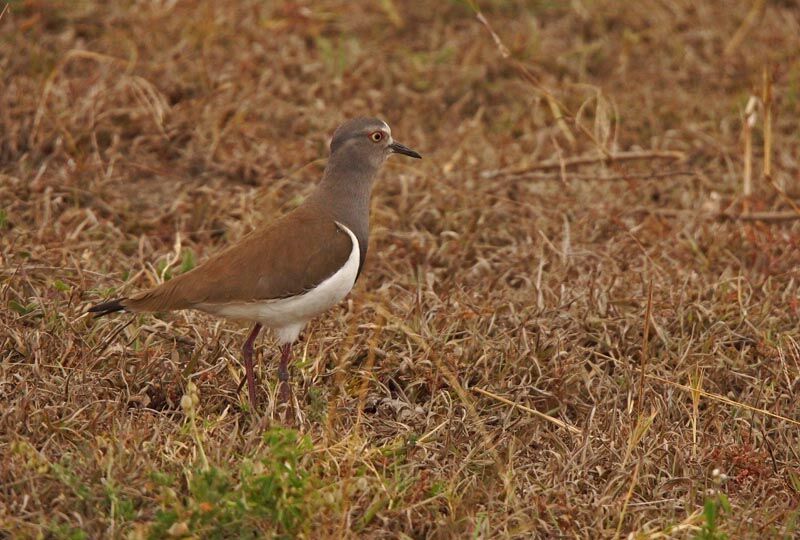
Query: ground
x,y
579,312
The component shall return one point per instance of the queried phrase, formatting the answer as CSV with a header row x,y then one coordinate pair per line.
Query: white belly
x,y
288,316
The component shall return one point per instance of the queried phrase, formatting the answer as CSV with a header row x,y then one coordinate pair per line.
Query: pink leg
x,y
247,351
285,393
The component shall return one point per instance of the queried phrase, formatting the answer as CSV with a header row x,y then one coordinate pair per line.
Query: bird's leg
x,y
247,352
283,373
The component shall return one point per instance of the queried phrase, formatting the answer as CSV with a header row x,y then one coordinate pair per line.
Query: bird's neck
x,y
345,192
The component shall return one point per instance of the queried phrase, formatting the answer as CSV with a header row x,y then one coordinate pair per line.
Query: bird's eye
x,y
376,136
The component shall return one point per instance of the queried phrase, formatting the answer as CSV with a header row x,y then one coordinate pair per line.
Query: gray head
x,y
358,149
368,139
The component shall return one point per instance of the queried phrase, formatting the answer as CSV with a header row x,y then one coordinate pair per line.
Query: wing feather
x,y
290,256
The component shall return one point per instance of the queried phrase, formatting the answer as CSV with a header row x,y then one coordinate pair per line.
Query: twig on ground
x,y
111,338
645,346
534,412
755,13
776,216
556,164
750,116
533,176
766,100
628,495
723,399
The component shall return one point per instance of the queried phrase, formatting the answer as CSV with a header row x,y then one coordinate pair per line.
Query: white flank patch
x,y
288,316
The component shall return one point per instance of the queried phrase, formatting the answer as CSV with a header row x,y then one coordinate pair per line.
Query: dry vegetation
x,y
508,274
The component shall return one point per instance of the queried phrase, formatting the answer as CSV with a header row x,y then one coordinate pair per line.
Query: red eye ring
x,y
376,136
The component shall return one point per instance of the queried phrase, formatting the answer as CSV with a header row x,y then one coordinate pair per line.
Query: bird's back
x,y
285,258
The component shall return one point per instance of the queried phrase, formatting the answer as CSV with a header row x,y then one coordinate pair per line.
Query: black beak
x,y
398,148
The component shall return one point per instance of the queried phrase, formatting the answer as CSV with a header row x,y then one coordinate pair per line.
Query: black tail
x,y
107,307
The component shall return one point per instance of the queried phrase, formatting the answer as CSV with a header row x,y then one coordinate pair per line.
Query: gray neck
x,y
345,191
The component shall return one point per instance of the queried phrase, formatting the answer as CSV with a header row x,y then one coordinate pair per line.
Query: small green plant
x,y
163,271
272,495
187,260
63,470
122,508
65,531
22,309
715,505
60,286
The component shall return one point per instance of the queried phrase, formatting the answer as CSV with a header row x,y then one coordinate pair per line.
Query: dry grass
x,y
136,137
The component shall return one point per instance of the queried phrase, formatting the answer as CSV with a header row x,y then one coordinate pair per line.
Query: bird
x,y
289,271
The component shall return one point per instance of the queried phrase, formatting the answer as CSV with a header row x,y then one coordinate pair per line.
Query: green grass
x,y
270,495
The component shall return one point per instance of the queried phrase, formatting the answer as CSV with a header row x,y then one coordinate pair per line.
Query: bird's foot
x,y
285,406
285,393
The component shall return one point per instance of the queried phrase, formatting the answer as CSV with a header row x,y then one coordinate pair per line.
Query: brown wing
x,y
292,255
